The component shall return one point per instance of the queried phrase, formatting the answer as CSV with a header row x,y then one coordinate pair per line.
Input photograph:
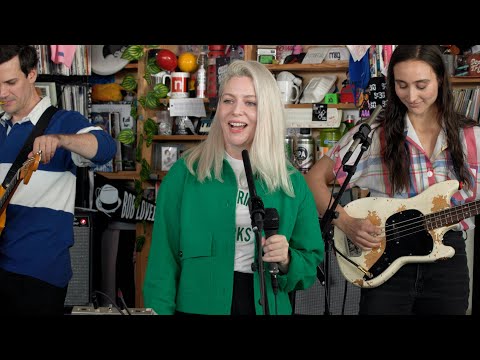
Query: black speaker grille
x,y
312,300
79,287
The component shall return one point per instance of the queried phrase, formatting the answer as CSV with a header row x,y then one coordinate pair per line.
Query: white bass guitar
x,y
413,231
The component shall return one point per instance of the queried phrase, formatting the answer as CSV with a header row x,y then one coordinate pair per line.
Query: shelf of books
x,y
467,102
113,118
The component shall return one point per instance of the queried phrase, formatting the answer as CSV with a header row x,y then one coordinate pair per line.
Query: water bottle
x,y
202,75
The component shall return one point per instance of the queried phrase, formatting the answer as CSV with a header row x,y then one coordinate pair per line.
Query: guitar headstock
x,y
29,166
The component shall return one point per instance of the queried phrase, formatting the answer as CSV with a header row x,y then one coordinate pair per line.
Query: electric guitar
x,y
24,173
412,232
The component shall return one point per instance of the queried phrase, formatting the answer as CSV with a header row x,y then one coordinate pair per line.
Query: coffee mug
x,y
107,198
287,90
158,78
178,84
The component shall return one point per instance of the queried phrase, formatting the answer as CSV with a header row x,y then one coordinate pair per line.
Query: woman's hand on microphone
x,y
275,249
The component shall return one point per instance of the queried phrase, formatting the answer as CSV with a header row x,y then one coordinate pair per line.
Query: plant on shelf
x,y
152,100
129,83
150,128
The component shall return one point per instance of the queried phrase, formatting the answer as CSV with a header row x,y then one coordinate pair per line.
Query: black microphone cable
x,y
120,296
109,298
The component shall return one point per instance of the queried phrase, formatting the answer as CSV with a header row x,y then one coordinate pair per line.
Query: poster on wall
x,y
118,202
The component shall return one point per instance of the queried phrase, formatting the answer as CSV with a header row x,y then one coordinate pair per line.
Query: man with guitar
x,y
404,246
37,215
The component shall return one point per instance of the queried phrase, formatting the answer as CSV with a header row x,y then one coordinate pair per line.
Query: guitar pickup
x,y
352,249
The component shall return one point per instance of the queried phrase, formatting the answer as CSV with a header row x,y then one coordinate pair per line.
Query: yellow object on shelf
x,y
107,92
187,62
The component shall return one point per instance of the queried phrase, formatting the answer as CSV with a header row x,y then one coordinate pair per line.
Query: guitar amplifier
x,y
343,294
80,285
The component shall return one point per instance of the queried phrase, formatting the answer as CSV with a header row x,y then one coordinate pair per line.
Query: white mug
x,y
178,84
289,91
158,78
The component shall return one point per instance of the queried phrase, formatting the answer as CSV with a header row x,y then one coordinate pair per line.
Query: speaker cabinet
x,y
344,297
80,285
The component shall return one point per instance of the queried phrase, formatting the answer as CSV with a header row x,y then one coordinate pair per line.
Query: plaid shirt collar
x,y
412,137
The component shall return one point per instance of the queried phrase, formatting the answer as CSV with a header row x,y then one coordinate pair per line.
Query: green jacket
x,y
191,259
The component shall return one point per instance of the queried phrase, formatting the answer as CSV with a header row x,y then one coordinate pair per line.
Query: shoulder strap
x,y
27,146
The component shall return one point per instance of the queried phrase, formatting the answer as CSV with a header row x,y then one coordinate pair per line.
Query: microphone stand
x,y
257,215
331,214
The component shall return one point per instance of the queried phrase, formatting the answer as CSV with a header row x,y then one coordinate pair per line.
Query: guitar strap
x,y
28,145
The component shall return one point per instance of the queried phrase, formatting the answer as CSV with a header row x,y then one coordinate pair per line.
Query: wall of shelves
x,y
306,71
186,140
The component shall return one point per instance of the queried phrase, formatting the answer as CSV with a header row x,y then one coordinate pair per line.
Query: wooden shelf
x,y
167,101
343,106
131,66
326,66
121,175
465,80
157,175
179,137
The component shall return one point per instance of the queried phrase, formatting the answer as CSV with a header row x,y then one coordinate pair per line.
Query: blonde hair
x,y
267,154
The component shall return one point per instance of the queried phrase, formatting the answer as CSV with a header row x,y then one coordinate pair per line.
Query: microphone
x,y
270,226
255,205
362,134
257,215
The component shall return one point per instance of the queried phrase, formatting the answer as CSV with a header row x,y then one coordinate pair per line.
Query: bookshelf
x,y
341,106
326,66
465,80
179,137
121,175
156,175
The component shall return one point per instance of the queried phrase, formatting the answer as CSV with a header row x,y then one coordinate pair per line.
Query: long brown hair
x,y
395,153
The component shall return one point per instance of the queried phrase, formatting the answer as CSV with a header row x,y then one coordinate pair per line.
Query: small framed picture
x,y
47,89
169,156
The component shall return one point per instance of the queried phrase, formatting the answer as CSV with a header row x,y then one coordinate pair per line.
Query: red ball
x,y
167,60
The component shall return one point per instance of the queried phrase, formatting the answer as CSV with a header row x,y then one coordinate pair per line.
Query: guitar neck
x,y
452,215
12,185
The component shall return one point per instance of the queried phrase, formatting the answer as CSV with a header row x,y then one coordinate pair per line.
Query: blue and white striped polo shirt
x,y
39,218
